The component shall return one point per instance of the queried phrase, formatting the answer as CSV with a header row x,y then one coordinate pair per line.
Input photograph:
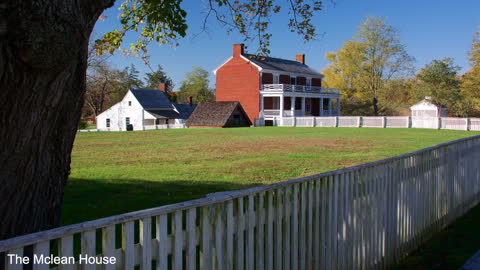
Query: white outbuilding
x,y
426,108
143,108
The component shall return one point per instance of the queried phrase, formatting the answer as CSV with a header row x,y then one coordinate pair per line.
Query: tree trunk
x,y
43,65
375,106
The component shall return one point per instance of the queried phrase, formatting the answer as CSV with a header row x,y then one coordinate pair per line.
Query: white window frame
x,y
107,122
276,103
129,103
295,78
276,78
308,105
309,83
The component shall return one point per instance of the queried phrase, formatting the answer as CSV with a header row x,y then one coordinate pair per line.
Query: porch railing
x,y
298,88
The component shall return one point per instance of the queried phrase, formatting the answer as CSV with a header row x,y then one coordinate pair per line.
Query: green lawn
x,y
448,249
118,172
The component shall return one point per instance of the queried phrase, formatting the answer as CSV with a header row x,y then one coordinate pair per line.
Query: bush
x,y
82,125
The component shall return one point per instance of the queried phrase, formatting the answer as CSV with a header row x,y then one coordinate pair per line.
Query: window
x,y
276,79
309,83
308,105
275,103
108,122
293,80
127,121
129,103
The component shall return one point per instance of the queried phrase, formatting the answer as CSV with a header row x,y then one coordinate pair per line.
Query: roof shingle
x,y
152,99
282,65
213,114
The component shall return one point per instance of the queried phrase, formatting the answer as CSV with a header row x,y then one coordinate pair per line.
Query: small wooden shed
x,y
426,108
218,114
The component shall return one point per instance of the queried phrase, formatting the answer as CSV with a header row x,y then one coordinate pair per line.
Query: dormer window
x,y
129,103
293,80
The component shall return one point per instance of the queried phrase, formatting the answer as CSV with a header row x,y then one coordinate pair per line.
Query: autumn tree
x,y
364,64
43,63
196,85
470,86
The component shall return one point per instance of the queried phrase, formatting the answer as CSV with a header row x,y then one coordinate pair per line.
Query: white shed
x,y
141,108
426,108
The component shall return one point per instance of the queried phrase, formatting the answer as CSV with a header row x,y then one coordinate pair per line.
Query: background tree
x,y
195,85
129,78
365,63
154,78
439,79
104,88
43,65
471,79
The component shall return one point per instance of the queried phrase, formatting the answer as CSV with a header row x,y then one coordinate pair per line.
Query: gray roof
x,y
282,65
214,114
185,110
152,99
165,114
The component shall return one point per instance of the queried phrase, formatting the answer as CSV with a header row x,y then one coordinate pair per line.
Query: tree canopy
x,y
195,85
164,22
365,63
471,79
439,79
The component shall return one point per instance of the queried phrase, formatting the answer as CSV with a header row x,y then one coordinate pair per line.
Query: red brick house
x,y
271,87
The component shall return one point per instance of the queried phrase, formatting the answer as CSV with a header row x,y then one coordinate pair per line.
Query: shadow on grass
x,y
87,199
448,249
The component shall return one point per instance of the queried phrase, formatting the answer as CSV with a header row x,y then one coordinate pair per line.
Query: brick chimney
x,y
189,100
300,58
237,49
162,87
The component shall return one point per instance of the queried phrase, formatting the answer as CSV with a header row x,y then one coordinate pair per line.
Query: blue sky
x,y
431,29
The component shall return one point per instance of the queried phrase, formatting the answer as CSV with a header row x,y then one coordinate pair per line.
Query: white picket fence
x,y
150,127
362,217
376,122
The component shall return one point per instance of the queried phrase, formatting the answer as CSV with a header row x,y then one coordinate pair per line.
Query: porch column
x,y
303,106
281,105
338,106
261,107
330,107
321,106
143,119
292,105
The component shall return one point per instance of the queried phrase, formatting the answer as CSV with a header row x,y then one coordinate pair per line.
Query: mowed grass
x,y
118,172
448,249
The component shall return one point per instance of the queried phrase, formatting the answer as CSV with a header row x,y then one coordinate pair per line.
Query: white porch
x,y
289,105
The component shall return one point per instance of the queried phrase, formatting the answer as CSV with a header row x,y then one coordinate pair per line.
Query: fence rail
x,y
362,217
379,122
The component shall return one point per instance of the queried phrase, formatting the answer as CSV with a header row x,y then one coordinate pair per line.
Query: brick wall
x,y
239,80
